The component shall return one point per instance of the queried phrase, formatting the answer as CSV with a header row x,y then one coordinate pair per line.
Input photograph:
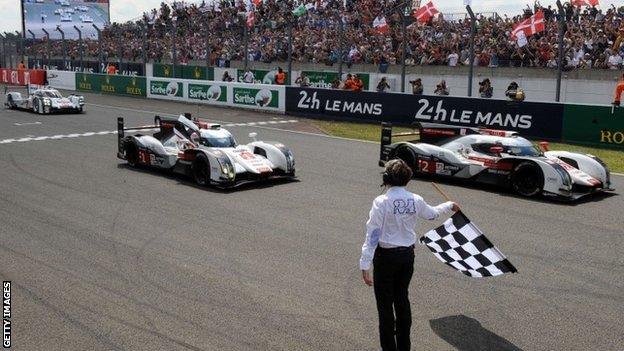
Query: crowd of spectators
x,y
594,37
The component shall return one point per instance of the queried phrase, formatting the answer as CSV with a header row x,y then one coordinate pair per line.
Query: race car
x,y
206,152
497,157
86,19
44,100
58,12
66,17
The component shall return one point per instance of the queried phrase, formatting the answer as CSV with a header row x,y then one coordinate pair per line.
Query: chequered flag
x,y
461,245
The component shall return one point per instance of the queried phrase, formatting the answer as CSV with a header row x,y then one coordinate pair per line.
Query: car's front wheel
x,y
201,170
409,156
527,179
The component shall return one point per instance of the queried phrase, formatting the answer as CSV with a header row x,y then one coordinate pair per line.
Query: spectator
x,y
383,85
249,76
615,61
442,89
348,84
417,87
111,69
226,77
335,83
280,77
619,90
452,59
303,80
21,66
514,92
358,84
485,89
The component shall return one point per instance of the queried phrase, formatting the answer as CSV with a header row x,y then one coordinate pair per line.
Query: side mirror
x,y
544,145
253,135
496,149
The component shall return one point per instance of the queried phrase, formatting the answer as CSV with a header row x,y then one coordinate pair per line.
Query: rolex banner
x,y
111,84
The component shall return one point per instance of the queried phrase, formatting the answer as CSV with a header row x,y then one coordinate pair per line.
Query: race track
x,y
106,257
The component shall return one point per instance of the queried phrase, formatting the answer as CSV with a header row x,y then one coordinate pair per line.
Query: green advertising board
x,y
597,125
162,70
207,92
256,97
320,79
111,84
166,88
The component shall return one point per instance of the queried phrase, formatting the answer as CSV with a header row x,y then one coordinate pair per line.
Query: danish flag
x,y
381,25
424,14
581,3
257,2
530,26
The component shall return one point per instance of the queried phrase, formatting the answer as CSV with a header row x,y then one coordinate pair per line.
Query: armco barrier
x,y
22,76
111,84
594,125
539,120
253,96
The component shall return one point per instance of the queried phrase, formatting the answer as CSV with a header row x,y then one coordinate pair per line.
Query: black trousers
x,y
393,269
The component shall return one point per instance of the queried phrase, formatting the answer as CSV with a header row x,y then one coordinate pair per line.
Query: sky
x,y
123,10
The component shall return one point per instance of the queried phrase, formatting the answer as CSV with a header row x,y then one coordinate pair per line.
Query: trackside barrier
x,y
594,125
22,76
61,79
253,96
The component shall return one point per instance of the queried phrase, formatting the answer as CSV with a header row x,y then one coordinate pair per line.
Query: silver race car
x,y
497,157
206,152
44,100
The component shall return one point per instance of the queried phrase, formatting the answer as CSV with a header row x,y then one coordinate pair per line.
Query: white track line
x,y
106,132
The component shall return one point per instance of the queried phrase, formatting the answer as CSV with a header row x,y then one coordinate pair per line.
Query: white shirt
x,y
452,59
248,77
615,61
392,220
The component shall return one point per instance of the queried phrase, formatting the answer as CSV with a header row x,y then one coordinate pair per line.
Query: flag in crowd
x,y
299,10
425,13
251,19
257,2
461,245
532,25
581,3
381,25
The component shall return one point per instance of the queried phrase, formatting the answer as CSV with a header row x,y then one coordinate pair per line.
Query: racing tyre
x,y
10,102
409,156
201,170
132,153
36,106
527,179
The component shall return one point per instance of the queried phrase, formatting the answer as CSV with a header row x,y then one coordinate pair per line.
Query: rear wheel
x,y
132,154
201,170
36,106
527,179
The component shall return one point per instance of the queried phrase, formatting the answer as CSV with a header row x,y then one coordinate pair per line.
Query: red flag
x,y
257,2
251,19
381,25
530,26
581,3
424,14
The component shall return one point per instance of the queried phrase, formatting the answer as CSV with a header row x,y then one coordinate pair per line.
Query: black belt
x,y
396,249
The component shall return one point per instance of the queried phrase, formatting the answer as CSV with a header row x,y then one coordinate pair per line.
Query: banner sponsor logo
x,y
325,79
163,88
612,137
438,113
207,92
257,97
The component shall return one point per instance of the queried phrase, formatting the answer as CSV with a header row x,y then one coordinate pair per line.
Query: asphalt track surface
x,y
106,257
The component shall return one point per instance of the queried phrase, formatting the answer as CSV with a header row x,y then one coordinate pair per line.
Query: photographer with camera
x,y
417,87
514,92
485,89
442,89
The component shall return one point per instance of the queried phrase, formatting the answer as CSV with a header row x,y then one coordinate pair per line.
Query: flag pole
x,y
561,20
440,191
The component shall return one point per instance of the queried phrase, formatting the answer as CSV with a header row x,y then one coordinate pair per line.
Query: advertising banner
x,y
213,93
61,79
127,68
596,125
320,79
22,76
65,14
542,120
166,89
265,97
111,84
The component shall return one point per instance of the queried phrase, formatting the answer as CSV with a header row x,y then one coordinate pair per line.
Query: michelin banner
x,y
61,79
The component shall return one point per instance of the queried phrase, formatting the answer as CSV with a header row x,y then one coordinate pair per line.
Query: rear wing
x,y
122,129
386,141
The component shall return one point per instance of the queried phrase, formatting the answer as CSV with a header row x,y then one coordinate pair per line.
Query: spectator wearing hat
x,y
442,89
417,87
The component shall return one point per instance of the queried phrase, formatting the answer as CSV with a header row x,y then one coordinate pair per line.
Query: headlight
x,y
47,102
226,167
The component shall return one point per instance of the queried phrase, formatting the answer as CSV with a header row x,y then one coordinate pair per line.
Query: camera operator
x,y
417,87
485,89
514,92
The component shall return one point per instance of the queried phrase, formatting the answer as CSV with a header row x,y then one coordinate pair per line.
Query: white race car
x,y
204,151
66,17
497,157
86,19
58,11
44,100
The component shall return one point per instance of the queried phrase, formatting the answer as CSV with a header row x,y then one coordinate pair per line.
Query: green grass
x,y
366,131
